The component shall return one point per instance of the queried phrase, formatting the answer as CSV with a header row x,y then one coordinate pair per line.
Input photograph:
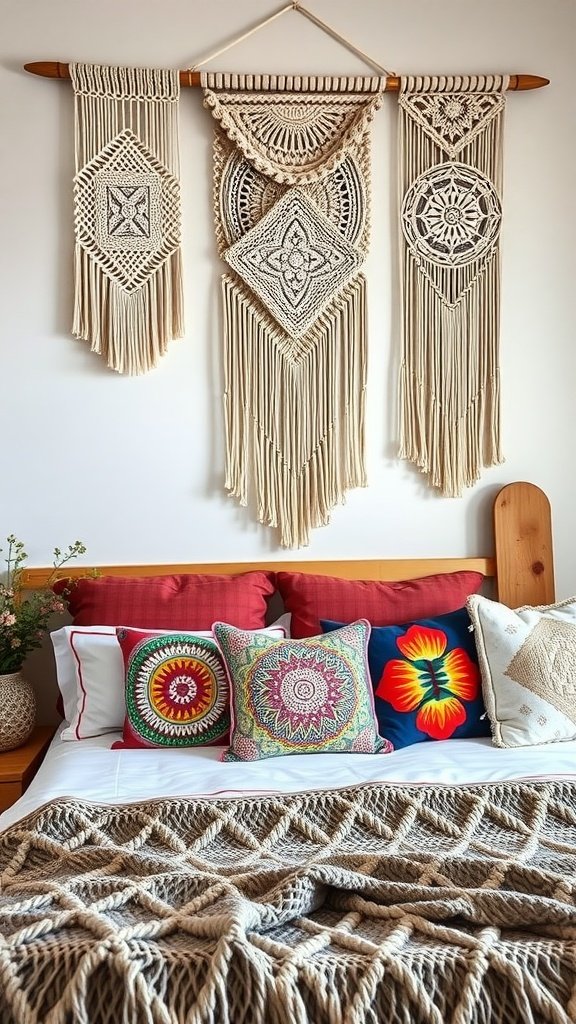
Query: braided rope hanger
x,y
294,5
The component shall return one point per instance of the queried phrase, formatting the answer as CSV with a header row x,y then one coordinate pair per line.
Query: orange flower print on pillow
x,y
431,680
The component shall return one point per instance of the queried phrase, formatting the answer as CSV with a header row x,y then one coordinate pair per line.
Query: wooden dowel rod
x,y
55,69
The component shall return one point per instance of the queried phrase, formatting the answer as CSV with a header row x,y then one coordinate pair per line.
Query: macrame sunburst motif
x,y
292,137
245,196
453,119
127,211
451,215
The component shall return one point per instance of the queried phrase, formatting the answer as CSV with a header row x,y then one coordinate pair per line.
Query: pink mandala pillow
x,y
299,696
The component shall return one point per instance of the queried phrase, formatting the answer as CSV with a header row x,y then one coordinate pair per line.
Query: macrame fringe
x,y
130,330
449,387
450,381
128,312
294,410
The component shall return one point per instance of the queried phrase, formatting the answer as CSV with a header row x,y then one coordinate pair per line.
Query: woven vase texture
x,y
17,710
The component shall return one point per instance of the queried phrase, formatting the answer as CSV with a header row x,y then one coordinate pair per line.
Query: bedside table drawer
x,y
10,792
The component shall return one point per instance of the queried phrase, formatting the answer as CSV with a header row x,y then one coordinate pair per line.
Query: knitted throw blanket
x,y
391,904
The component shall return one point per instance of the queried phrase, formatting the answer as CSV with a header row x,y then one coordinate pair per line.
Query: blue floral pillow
x,y
426,680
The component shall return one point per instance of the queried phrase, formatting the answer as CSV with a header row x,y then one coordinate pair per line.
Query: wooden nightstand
x,y
18,767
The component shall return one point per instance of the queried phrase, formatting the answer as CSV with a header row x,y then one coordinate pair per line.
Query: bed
x,y
432,884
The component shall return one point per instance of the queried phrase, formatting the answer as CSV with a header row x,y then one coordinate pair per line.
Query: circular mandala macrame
x,y
451,215
177,691
301,695
246,196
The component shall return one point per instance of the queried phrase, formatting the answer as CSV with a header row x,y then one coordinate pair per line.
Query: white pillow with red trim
x,y
90,676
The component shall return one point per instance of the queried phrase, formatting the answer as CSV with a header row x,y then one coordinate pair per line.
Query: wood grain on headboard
x,y
387,569
523,535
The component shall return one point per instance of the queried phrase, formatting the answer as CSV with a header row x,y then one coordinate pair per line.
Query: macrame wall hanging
x,y
128,278
450,153
291,184
291,198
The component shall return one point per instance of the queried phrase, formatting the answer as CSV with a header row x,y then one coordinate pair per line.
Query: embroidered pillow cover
x,y
299,697
186,601
311,598
426,680
176,689
90,676
528,663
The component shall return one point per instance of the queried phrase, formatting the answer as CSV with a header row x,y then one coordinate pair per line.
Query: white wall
x,y
134,467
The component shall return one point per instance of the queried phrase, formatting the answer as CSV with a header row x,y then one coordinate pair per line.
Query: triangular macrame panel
x,y
128,274
291,199
450,153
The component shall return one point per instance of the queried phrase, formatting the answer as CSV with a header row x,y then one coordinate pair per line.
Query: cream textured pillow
x,y
527,660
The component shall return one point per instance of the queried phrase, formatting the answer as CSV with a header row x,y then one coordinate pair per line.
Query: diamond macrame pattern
x,y
405,904
127,211
451,215
545,664
452,120
295,261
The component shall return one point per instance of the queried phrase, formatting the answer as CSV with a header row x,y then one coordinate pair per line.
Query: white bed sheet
x,y
89,770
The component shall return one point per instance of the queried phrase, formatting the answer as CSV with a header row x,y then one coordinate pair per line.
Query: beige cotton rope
x,y
371,904
128,273
450,172
297,6
291,203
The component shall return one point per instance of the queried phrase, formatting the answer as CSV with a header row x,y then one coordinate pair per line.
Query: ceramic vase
x,y
17,710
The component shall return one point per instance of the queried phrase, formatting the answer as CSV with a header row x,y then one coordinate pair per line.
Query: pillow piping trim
x,y
488,690
485,672
81,704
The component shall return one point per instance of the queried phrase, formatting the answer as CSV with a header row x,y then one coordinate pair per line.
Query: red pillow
x,y
171,602
310,598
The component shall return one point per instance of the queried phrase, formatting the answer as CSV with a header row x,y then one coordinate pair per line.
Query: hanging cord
x,y
294,5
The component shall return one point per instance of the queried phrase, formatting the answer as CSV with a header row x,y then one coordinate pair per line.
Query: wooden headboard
x,y
522,566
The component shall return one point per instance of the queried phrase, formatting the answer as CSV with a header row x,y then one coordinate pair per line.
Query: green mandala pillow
x,y
176,690
299,696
